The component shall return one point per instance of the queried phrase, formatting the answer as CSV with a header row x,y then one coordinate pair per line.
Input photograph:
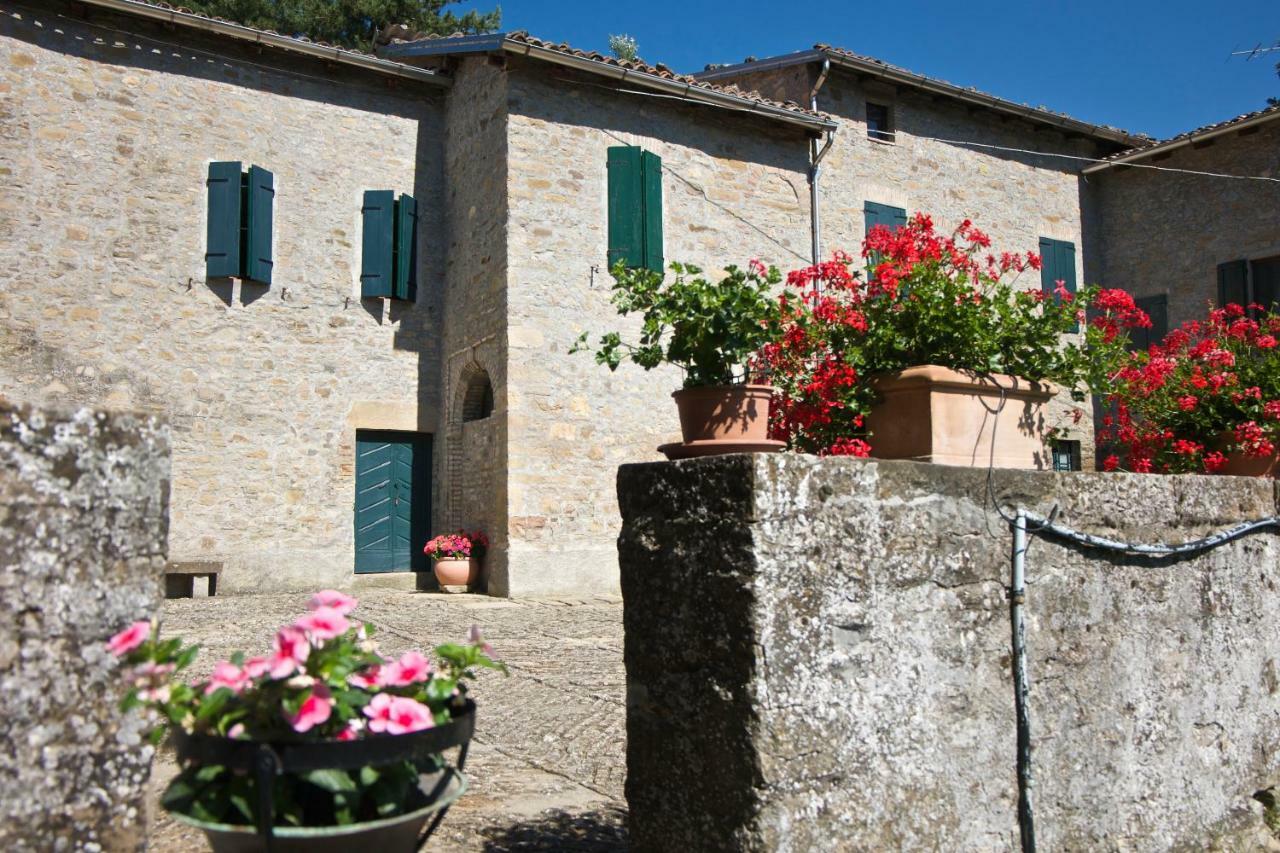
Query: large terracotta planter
x,y
934,414
1240,465
451,572
720,419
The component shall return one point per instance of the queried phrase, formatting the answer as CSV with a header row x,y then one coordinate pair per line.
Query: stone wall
x,y
107,126
1166,233
733,189
849,687
83,514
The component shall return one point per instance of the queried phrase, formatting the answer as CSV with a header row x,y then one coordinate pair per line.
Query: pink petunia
x,y
323,623
291,651
334,600
397,715
228,675
477,639
257,667
410,669
314,711
130,638
354,726
236,732
370,679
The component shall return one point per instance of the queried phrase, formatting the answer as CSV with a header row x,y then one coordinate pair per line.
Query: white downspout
x,y
815,163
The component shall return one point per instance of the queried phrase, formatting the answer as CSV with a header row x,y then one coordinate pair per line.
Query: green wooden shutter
x,y
1157,308
626,206
222,249
377,268
883,214
406,254
1266,281
1067,264
261,201
1233,283
651,169
1058,263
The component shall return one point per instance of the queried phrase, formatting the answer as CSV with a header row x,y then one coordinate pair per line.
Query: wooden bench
x,y
191,578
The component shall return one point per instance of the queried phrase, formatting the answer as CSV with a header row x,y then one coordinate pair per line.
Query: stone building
x,y
1180,241
368,343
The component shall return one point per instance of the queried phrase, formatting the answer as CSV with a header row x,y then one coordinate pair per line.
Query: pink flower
x,y
353,729
314,711
477,639
410,669
228,675
323,623
397,715
236,732
334,600
291,650
256,667
130,638
370,679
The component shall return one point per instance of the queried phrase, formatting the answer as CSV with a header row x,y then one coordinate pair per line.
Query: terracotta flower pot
x,y
934,414
717,419
456,572
1242,465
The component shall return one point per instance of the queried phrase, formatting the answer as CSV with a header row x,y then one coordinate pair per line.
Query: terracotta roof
x,y
399,41
181,16
902,76
1154,146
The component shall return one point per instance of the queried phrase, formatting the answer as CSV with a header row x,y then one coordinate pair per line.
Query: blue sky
x,y
1154,67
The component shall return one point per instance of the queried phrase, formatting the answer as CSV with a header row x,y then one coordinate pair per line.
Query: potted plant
x,y
1205,399
457,556
934,351
710,330
322,744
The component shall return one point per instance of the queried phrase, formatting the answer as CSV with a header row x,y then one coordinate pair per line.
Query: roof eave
x,y
920,81
675,88
1173,145
255,36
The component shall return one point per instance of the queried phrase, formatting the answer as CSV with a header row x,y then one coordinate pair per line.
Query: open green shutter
x,y
377,243
875,214
1266,282
406,254
1157,308
1233,283
1048,265
222,249
651,168
261,201
1067,264
626,206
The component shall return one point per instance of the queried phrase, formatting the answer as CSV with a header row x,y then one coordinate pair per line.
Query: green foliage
x,y
709,330
348,23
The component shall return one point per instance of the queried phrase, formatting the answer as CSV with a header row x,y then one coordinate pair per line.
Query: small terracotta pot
x,y
935,414
717,419
716,412
450,572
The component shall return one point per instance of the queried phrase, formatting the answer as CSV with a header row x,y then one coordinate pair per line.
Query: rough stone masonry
x,y
83,519
817,656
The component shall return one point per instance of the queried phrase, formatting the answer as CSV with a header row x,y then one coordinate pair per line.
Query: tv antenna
x,y
1256,51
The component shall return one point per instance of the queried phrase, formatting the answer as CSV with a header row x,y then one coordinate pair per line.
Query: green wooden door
x,y
393,501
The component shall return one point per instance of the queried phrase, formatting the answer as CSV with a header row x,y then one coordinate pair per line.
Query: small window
x,y
1066,455
879,124
1249,282
239,222
388,258
477,400
1157,308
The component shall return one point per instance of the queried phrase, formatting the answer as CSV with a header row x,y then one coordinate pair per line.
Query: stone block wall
x,y
108,124
83,515
733,189
1166,233
849,688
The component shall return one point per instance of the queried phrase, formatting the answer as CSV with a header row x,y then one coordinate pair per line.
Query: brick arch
x,y
472,400
477,393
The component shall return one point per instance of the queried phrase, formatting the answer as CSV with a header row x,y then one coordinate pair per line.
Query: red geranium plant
x,y
1210,388
926,298
457,546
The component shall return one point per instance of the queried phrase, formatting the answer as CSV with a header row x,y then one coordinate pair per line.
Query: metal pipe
x,y
1017,597
815,165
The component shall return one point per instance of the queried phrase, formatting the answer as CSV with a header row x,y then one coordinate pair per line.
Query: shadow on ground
x,y
603,831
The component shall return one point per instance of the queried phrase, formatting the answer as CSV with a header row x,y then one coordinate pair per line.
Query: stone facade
x,y
1166,233
83,500
850,688
108,125
733,188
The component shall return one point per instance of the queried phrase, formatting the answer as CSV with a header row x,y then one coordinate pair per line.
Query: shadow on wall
x,y
603,831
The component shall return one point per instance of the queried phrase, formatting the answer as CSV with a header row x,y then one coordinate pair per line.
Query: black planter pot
x,y
437,790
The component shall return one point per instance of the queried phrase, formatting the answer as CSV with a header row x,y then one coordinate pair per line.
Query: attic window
x,y
879,122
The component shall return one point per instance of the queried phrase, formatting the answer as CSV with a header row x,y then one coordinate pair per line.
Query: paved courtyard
x,y
548,762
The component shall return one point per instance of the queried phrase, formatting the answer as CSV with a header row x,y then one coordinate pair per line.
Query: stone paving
x,y
548,762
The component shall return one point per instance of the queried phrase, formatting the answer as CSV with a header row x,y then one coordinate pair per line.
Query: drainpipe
x,y
815,164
